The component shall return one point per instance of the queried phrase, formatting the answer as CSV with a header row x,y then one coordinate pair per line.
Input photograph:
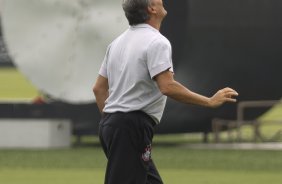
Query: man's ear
x,y
151,10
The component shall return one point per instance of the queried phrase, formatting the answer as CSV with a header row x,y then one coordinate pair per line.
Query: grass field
x,y
86,165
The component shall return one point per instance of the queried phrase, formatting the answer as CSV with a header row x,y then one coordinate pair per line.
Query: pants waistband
x,y
152,121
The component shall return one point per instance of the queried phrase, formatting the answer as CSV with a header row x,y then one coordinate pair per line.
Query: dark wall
x,y
219,43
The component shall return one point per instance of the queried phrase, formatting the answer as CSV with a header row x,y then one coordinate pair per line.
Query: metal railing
x,y
229,125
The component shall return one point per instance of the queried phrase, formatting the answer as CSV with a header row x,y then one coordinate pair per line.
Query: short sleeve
x,y
159,57
103,69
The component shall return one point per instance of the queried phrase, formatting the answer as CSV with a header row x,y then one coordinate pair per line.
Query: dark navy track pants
x,y
126,139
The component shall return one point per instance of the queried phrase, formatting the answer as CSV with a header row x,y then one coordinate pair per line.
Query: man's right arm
x,y
101,91
173,89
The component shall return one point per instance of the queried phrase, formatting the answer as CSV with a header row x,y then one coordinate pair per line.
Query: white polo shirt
x,y
131,62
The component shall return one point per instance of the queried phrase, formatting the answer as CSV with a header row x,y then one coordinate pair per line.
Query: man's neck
x,y
154,24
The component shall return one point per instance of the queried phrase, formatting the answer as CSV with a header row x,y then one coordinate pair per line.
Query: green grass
x,y
219,177
176,164
51,176
170,176
13,85
167,157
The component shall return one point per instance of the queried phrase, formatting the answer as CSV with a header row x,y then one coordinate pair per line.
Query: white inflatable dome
x,y
59,44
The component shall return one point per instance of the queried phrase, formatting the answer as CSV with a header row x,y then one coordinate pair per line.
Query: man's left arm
x,y
173,89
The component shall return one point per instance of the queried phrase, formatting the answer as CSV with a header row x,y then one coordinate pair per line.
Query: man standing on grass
x,y
131,91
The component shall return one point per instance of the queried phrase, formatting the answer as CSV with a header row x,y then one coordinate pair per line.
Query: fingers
x,y
230,90
222,96
230,100
229,94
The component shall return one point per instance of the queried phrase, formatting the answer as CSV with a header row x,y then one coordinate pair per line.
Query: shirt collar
x,y
143,25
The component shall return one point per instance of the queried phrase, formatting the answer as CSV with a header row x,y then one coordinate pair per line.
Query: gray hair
x,y
136,11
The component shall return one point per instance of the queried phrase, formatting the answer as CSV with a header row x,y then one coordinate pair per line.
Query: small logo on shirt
x,y
146,156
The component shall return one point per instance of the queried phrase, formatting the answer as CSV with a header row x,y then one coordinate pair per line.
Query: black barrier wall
x,y
219,43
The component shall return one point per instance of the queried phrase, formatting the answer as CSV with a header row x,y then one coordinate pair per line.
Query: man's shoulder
x,y
159,39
